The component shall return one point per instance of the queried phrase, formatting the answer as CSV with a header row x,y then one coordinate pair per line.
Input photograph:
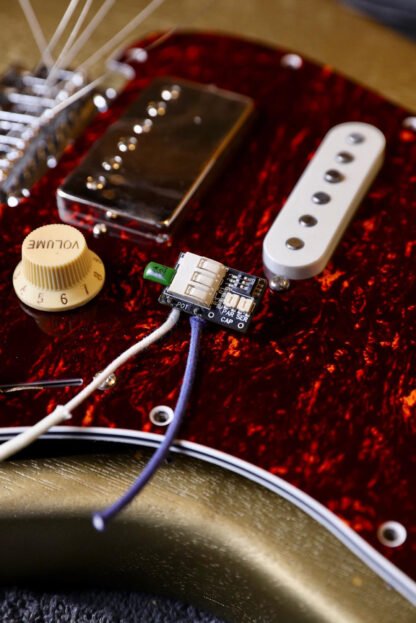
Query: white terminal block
x,y
235,301
197,279
308,228
231,300
245,305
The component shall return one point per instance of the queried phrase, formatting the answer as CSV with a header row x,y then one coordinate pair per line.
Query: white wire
x,y
63,412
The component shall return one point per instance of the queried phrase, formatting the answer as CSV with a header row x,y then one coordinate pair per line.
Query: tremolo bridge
x,y
41,112
35,127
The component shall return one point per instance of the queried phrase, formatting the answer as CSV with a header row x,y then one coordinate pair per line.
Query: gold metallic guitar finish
x,y
197,532
212,538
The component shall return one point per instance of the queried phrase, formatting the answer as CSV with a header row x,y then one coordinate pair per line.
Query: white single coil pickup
x,y
307,230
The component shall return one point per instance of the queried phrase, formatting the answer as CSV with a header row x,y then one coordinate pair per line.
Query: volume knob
x,y
58,271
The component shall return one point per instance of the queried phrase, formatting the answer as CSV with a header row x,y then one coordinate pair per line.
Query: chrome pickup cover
x,y
139,177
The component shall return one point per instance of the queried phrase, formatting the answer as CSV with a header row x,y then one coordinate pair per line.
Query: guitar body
x,y
317,400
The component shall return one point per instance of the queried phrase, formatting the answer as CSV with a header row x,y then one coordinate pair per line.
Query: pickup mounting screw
x,y
278,283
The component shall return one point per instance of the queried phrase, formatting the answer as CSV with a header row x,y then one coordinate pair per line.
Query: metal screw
x,y
111,215
145,125
13,201
99,229
279,283
171,93
162,238
100,103
127,144
96,183
410,123
112,164
156,108
293,61
109,382
51,162
137,55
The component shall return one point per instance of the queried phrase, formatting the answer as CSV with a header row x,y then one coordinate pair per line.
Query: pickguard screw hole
x,y
391,534
161,415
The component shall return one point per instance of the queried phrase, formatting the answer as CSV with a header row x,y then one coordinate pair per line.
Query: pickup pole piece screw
x,y
333,176
344,157
355,138
321,198
307,220
294,244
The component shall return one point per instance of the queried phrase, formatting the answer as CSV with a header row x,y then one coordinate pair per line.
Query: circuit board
x,y
233,304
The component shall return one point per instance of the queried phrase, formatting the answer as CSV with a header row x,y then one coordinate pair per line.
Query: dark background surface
x,y
28,606
399,14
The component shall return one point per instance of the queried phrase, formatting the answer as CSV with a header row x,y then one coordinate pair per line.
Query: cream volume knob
x,y
57,271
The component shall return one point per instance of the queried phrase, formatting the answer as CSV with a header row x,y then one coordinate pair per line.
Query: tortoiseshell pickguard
x,y
321,390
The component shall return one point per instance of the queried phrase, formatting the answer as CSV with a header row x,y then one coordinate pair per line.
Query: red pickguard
x,y
320,390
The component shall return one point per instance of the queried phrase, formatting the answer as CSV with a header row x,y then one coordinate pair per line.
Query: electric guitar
x,y
315,402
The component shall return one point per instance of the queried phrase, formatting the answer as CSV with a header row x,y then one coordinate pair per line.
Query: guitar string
x,y
54,71
36,30
63,413
59,30
98,18
195,16
77,44
122,34
100,519
91,85
67,56
48,114
51,112
87,32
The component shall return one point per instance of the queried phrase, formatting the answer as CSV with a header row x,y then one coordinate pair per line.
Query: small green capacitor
x,y
159,273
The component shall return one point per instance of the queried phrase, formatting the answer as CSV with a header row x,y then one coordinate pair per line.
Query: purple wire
x,y
101,518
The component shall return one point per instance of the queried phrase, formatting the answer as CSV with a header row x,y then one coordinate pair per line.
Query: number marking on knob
x,y
57,271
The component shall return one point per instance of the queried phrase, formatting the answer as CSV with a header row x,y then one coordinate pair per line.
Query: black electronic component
x,y
205,288
244,284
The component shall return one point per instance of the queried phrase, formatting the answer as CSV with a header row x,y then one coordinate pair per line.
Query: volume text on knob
x,y
57,271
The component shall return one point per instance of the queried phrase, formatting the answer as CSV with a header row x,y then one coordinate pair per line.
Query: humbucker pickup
x,y
139,177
